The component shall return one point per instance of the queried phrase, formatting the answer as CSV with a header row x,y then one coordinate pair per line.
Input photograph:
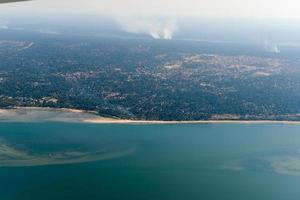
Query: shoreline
x,y
125,121
96,119
48,109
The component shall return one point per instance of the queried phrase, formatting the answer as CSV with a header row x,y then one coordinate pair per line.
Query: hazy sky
x,y
213,8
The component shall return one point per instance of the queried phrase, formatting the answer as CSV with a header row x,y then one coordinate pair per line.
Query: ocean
x,y
61,160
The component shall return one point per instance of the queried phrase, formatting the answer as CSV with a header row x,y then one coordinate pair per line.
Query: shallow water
x,y
52,160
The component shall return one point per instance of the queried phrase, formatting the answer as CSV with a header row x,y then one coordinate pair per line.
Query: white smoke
x,y
272,48
154,27
269,45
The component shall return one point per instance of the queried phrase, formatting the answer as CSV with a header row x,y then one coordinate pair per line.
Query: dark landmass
x,y
149,79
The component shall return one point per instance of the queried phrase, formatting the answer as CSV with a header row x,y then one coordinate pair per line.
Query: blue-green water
x,y
50,160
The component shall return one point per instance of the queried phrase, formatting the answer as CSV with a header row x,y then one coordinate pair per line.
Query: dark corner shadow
x,y
11,1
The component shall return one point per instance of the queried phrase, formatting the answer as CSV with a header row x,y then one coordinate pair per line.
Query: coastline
x,y
124,121
48,109
93,118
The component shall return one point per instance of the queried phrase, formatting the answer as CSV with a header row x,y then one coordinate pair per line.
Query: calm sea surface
x,y
49,160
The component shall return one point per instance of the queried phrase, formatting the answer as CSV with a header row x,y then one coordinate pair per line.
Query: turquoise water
x,y
49,160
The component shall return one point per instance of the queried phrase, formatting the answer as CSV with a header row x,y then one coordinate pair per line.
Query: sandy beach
x,y
45,109
124,121
91,117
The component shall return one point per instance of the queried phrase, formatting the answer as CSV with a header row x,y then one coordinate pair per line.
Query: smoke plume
x,y
154,27
272,48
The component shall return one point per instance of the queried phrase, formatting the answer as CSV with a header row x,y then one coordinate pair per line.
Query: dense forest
x,y
149,79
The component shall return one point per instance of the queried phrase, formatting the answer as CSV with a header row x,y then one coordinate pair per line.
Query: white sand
x,y
93,118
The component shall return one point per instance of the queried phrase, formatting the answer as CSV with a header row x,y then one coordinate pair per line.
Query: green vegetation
x,y
149,79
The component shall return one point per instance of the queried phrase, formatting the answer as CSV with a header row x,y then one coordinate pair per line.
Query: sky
x,y
161,19
199,8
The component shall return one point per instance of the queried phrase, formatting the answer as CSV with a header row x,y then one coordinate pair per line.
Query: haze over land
x,y
216,63
141,78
